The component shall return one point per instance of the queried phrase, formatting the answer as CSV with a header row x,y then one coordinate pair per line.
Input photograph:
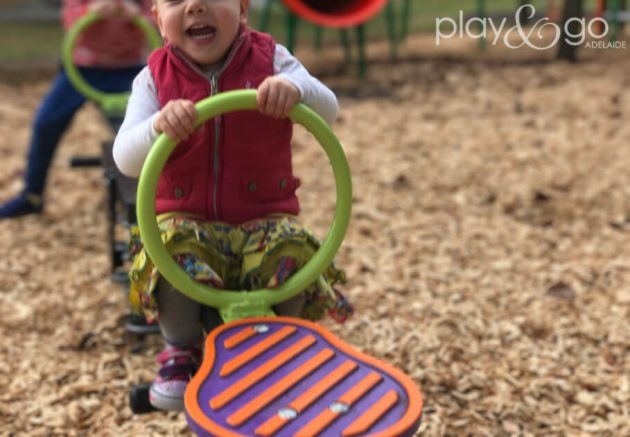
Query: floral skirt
x,y
257,254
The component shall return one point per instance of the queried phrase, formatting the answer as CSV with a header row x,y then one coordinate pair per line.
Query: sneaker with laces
x,y
23,204
177,367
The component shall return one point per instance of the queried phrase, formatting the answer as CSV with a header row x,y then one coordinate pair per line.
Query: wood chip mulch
x,y
488,255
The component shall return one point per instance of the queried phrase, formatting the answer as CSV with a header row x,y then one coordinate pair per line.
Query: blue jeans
x,y
57,111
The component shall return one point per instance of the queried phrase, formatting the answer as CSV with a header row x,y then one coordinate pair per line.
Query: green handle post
x,y
235,305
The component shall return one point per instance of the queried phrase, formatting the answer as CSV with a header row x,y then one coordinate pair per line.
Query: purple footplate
x,y
257,344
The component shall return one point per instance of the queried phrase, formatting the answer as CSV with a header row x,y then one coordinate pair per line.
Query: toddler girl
x,y
226,198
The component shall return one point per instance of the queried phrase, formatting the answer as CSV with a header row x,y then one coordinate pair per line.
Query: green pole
x,y
615,20
361,43
263,21
404,20
345,42
292,20
390,17
481,13
319,32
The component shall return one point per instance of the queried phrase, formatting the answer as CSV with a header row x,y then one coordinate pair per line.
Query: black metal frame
x,y
120,208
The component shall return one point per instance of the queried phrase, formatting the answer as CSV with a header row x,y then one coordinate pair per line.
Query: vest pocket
x,y
268,184
176,186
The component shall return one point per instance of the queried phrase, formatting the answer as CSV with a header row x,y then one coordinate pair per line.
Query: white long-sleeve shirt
x,y
137,133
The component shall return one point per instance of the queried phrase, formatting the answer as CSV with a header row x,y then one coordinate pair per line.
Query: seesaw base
x,y
139,399
289,377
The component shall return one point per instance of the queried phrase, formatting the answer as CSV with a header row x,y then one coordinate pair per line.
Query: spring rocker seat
x,y
264,375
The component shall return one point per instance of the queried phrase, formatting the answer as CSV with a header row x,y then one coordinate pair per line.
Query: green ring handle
x,y
112,103
263,299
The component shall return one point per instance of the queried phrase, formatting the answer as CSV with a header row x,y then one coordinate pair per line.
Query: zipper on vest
x,y
214,89
215,150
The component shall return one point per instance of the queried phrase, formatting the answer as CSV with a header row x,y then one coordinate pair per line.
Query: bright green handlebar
x,y
111,103
245,303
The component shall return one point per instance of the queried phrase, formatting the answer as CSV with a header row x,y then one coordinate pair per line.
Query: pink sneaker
x,y
177,367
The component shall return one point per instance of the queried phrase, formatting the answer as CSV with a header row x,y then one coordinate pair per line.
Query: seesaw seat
x,y
280,376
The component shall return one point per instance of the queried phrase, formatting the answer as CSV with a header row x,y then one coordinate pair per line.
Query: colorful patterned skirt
x,y
256,254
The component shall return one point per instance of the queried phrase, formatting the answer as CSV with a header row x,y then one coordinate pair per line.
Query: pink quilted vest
x,y
236,167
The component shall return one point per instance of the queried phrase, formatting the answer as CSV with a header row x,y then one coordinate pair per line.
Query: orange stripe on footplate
x,y
246,356
261,372
315,392
371,415
339,407
302,402
361,388
280,387
271,426
239,337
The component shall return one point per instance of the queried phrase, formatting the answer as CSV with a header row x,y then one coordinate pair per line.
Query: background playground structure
x,y
38,42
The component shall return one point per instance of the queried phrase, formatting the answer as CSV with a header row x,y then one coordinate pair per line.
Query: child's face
x,y
203,29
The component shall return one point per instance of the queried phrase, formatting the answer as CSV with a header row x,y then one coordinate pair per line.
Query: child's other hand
x,y
128,9
177,119
109,8
105,8
276,97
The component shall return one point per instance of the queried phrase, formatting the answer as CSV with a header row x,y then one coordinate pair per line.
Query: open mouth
x,y
201,31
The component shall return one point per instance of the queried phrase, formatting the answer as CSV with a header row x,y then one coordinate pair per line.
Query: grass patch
x,y
29,41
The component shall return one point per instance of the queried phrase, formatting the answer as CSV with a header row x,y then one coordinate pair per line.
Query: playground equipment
x,y
613,12
121,190
342,15
277,376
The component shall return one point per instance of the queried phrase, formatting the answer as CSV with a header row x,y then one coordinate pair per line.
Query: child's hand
x,y
177,119
276,97
109,8
129,10
104,8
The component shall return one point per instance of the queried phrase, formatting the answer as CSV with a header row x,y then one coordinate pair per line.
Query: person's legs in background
x,y
51,120
112,81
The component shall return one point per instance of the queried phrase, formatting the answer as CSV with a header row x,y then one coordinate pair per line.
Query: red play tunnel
x,y
335,13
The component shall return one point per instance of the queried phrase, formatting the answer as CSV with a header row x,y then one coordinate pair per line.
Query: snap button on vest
x,y
283,183
252,187
178,192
